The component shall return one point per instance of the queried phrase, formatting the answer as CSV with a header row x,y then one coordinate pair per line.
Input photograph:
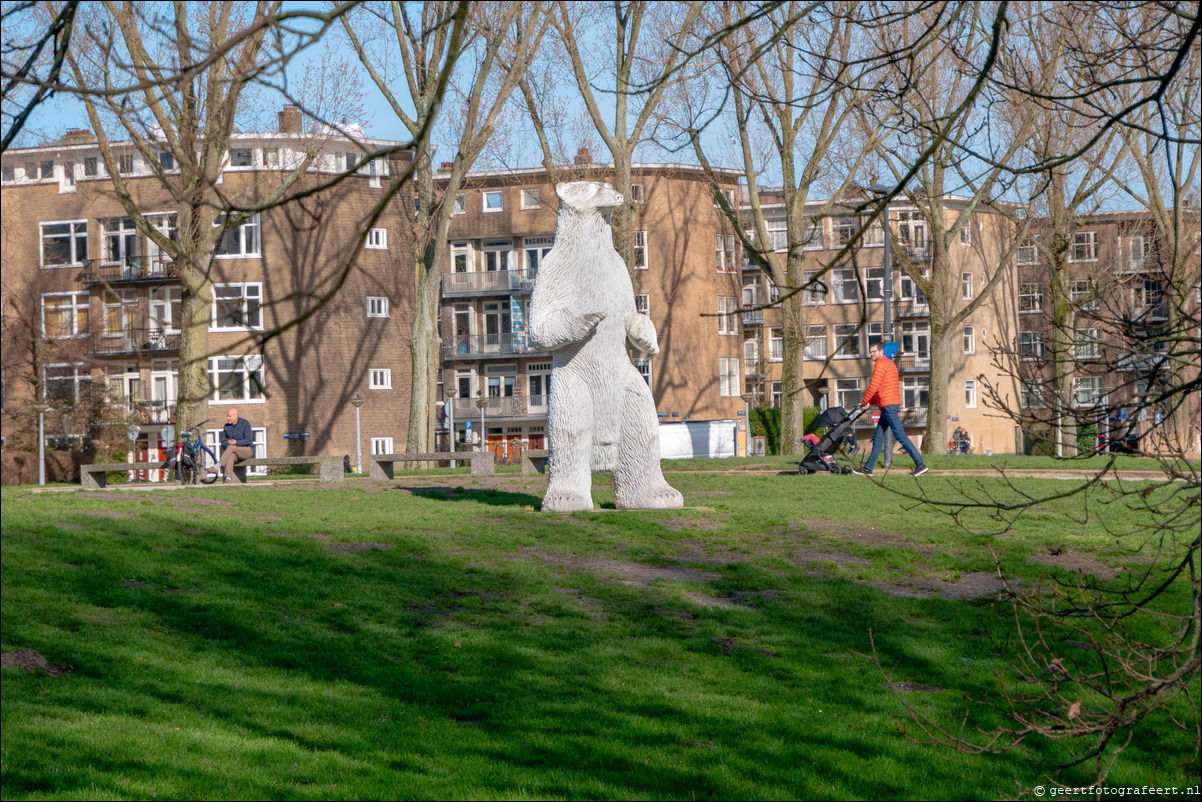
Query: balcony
x,y
916,253
496,282
914,363
484,346
755,318
514,406
912,308
129,271
136,342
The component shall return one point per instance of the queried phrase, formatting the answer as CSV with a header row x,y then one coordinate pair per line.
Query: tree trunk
x,y
792,412
937,386
196,302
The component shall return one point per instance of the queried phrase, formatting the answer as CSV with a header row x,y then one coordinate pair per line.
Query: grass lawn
x,y
436,637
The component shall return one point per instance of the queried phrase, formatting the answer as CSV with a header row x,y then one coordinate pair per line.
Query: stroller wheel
x,y
847,471
801,471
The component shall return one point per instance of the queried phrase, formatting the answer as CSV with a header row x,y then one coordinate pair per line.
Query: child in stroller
x,y
820,451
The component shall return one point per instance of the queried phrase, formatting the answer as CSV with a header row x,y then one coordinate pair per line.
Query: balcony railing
x,y
135,342
146,411
476,346
496,281
913,307
134,269
514,406
753,318
917,253
914,363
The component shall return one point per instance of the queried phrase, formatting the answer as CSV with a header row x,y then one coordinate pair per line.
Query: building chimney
x,y
583,156
445,166
290,120
77,136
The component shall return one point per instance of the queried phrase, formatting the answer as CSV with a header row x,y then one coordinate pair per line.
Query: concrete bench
x,y
382,465
534,460
92,477
329,468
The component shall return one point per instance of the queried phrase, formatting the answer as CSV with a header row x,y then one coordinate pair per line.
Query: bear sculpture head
x,y
589,196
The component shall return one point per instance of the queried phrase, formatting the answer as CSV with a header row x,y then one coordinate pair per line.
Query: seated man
x,y
237,443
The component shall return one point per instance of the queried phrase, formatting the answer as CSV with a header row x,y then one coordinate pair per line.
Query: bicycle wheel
x,y
205,459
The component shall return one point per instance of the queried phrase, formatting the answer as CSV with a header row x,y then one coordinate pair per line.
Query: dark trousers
x,y
890,421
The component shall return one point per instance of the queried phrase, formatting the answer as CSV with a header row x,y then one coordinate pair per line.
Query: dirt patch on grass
x,y
202,502
103,514
973,585
697,553
716,602
314,535
1069,561
628,573
29,660
676,524
358,547
812,558
69,527
912,687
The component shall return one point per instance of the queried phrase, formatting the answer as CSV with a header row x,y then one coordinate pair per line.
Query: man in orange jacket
x,y
884,391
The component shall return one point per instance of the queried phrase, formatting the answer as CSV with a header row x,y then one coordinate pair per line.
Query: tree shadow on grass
x,y
489,496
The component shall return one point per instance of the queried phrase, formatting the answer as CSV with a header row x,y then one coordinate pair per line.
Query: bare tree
x,y
31,61
481,50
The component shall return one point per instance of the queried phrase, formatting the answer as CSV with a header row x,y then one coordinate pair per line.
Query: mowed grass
x,y
437,637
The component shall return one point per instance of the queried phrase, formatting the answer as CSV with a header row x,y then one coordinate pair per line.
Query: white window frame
x,y
1084,247
846,333
242,154
381,445
1135,251
164,304
377,306
815,335
1031,397
642,364
1087,343
379,379
1030,298
636,192
970,340
77,328
874,279
248,365
246,295
966,288
80,374
846,288
729,379
1094,386
1083,294
460,204
970,394
966,233
728,310
912,388
534,251
639,251
1028,252
642,303
531,199
776,345
815,292
1031,346
848,392
250,228
114,231
77,229
377,239
498,194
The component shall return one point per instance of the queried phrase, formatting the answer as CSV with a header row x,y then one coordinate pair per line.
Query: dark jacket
x,y
240,432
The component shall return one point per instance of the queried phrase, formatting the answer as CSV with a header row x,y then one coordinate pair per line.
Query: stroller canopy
x,y
831,417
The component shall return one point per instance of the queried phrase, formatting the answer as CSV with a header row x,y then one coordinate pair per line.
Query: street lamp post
x,y
449,407
356,402
41,408
887,295
482,402
747,399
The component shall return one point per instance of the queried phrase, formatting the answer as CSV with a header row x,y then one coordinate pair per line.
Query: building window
x,y
165,307
494,201
643,365
915,391
241,157
120,238
381,445
64,244
776,345
642,303
1032,395
1030,345
120,311
815,342
640,250
966,234
65,314
1135,250
460,205
1085,246
1088,392
636,193
1028,253
874,284
1030,298
727,255
67,383
910,291
270,158
848,393
125,163
377,239
377,306
966,292
729,381
970,340
241,241
846,289
1087,343
916,339
728,307
536,249
236,378
876,334
842,230
815,289
874,235
166,160
8,173
91,167
847,340
237,307
380,379
751,356
970,394
1083,295
496,255
531,198
460,258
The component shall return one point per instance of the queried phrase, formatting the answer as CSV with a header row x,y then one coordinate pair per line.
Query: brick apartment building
x,y
92,307
1123,310
836,365
687,270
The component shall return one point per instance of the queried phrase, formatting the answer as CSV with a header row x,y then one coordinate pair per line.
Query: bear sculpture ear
x,y
577,193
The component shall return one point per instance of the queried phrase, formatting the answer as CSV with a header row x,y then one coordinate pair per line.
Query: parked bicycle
x,y
192,459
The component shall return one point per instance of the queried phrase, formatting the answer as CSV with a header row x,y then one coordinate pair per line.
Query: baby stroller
x,y
820,451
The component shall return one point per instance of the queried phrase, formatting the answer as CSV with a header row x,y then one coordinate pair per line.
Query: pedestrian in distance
x,y
884,390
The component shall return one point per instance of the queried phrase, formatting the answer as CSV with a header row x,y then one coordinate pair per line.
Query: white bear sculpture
x,y
600,414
